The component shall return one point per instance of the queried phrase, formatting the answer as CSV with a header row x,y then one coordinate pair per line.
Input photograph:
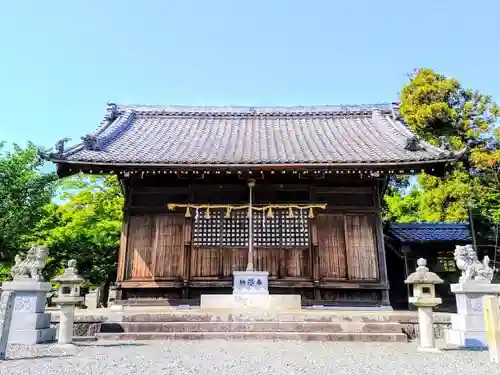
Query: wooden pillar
x,y
315,260
314,249
122,252
381,247
188,230
406,250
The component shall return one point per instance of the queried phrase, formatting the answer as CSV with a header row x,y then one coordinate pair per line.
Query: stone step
x,y
325,327
259,316
300,336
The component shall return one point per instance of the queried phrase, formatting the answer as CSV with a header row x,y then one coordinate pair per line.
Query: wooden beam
x,y
132,284
353,285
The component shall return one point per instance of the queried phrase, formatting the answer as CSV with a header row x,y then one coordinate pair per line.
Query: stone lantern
x,y
424,298
69,296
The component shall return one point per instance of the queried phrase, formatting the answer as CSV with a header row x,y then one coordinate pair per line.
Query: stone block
x,y
475,287
466,339
251,301
91,299
26,321
27,286
30,325
473,323
111,296
32,336
30,295
29,302
469,304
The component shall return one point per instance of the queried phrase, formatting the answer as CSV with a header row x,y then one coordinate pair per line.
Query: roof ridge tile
x,y
323,110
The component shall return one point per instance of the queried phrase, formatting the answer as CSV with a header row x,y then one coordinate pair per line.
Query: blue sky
x,y
62,60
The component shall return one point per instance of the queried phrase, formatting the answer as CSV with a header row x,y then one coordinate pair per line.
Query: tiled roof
x,y
366,135
426,232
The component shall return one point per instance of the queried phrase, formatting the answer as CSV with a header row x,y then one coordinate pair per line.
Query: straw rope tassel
x,y
270,212
311,213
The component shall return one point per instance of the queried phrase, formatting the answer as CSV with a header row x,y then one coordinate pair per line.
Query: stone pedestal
x,y
468,326
91,299
30,324
250,291
426,329
66,321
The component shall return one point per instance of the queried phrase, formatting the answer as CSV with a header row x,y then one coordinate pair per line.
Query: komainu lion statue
x,y
31,267
472,269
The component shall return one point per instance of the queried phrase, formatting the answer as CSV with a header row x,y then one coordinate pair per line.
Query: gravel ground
x,y
236,357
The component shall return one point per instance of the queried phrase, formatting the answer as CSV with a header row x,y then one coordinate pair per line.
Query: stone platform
x,y
251,301
248,324
160,322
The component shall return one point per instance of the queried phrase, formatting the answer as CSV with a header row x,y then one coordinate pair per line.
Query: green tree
x,y
24,191
443,112
84,224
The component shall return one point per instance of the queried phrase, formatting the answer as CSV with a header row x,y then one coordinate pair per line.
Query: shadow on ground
x,y
94,344
42,356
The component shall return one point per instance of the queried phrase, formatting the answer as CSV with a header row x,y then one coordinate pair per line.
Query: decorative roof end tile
x,y
413,144
59,148
111,112
90,142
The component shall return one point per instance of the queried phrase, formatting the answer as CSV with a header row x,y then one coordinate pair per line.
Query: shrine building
x,y
318,176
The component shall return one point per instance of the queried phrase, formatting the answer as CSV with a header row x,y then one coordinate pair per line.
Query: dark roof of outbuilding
x,y
427,232
329,135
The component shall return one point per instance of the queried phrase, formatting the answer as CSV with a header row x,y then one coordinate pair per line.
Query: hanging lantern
x,y
291,215
270,213
228,213
188,212
207,214
311,213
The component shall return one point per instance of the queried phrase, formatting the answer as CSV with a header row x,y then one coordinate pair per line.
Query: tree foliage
x,y
84,224
24,191
443,112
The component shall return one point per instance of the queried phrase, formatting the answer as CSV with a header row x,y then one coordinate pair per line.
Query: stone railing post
x,y
6,310
68,298
424,297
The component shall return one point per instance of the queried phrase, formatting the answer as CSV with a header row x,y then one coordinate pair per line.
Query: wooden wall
x,y
344,252
347,247
155,247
